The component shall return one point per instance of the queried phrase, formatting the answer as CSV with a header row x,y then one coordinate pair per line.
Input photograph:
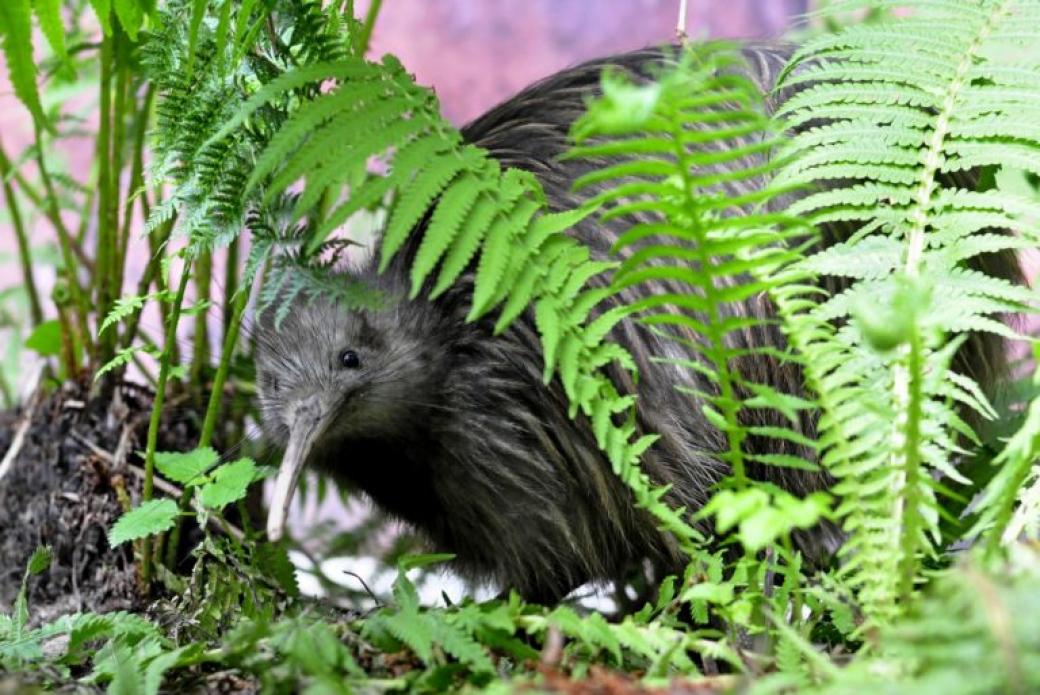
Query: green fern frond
x,y
887,113
717,251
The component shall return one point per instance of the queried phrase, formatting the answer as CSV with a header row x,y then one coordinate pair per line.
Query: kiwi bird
x,y
452,429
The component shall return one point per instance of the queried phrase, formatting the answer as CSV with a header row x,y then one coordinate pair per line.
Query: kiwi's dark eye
x,y
349,359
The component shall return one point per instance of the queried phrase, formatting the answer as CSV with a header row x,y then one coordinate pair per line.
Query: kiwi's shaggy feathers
x,y
452,429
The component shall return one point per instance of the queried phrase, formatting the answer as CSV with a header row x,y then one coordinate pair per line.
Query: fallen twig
x,y
33,391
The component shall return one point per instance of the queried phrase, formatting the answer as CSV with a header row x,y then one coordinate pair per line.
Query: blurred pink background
x,y
474,53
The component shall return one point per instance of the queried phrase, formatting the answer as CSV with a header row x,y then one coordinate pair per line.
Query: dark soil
x,y
79,456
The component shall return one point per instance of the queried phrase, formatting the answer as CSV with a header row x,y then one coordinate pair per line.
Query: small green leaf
x,y
124,356
230,483
40,560
46,339
184,467
624,108
152,517
124,307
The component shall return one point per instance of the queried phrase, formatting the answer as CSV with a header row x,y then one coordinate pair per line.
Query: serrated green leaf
x,y
40,560
273,560
414,200
152,517
184,467
495,256
229,483
294,79
124,307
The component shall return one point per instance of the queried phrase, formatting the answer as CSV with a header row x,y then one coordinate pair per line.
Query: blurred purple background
x,y
476,53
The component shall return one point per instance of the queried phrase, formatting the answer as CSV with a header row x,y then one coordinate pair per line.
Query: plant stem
x,y
727,402
123,96
24,251
79,300
910,499
200,351
106,239
5,392
151,274
230,341
366,29
213,408
156,244
68,341
230,284
136,178
165,363
40,204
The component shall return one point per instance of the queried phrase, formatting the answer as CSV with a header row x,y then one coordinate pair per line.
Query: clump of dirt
x,y
76,459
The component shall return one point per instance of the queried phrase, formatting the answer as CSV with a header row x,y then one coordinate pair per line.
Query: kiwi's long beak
x,y
306,428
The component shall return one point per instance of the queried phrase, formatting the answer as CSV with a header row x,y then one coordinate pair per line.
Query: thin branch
x,y
680,25
26,421
65,242
160,395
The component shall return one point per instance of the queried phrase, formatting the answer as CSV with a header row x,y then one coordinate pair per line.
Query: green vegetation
x,y
243,133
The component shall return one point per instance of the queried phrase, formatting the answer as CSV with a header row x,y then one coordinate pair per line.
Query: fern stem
x,y
156,244
200,345
41,204
165,365
370,23
151,274
909,502
123,96
24,250
106,238
230,286
933,156
717,350
908,375
60,297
